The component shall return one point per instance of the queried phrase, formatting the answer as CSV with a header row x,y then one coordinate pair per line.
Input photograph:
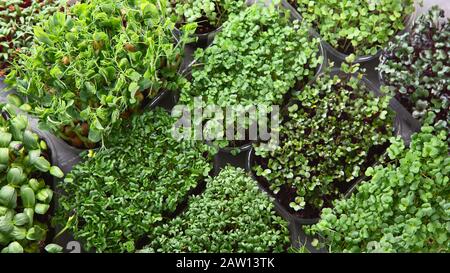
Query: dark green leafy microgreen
x,y
208,14
256,59
416,66
232,215
361,27
17,19
326,141
25,198
96,63
403,208
120,193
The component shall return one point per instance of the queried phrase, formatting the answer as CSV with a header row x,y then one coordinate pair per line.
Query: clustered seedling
x,y
403,208
25,196
256,59
232,215
121,193
17,19
97,62
361,27
208,14
326,141
416,66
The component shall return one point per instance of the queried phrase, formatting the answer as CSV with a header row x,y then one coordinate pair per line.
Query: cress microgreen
x,y
257,58
231,215
121,193
361,27
404,207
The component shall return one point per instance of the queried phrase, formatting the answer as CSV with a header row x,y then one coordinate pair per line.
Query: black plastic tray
x,y
403,124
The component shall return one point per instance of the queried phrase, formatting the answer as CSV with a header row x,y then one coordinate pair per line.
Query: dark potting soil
x,y
239,143
293,3
204,26
345,46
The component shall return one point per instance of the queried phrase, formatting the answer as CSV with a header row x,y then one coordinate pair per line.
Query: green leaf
x,y
55,171
4,156
350,59
20,219
6,225
5,139
15,176
370,171
30,140
41,164
8,197
4,239
90,88
42,37
133,88
15,100
56,72
28,197
36,233
14,247
30,213
18,233
41,208
45,195
34,184
100,36
95,135
53,248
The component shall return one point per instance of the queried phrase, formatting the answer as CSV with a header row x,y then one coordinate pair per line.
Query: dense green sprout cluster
x,y
361,27
232,215
326,138
404,207
121,193
17,19
257,58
